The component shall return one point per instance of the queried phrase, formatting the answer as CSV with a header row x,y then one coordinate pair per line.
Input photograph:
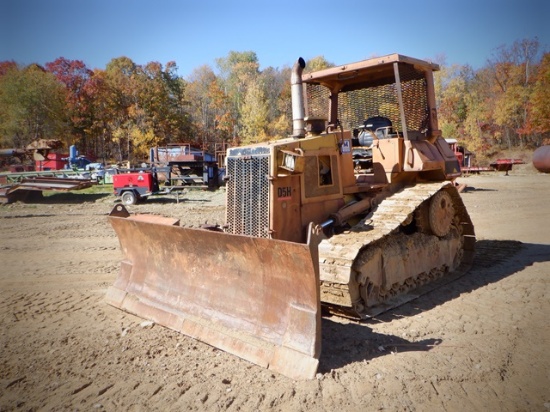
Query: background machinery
x,y
304,226
188,165
134,186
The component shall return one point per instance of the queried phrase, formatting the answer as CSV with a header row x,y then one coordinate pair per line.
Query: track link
x,y
342,257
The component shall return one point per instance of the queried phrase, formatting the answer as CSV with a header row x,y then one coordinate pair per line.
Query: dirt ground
x,y
480,343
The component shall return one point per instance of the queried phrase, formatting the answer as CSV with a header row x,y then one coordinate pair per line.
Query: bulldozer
x,y
305,228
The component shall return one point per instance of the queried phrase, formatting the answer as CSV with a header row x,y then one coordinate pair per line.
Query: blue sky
x,y
195,33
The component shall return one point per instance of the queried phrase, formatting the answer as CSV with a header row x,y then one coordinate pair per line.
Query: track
x,y
353,285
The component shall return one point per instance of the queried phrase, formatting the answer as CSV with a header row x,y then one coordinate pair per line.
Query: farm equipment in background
x,y
188,165
465,157
133,187
303,226
36,151
30,188
505,165
7,155
26,182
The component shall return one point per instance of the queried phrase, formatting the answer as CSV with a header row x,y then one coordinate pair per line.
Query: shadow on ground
x,y
469,189
344,343
494,260
71,198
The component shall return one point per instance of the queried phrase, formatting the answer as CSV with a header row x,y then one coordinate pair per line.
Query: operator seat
x,y
380,126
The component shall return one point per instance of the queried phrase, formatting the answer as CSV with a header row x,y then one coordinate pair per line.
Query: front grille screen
x,y
248,195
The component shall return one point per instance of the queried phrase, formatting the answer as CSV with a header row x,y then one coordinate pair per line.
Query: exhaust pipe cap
x,y
297,92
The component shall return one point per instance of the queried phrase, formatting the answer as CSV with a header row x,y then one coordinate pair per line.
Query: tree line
x,y
120,112
503,105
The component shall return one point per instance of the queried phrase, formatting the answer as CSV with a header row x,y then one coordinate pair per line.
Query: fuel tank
x,y
541,159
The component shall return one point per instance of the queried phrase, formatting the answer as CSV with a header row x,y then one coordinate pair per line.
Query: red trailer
x,y
135,186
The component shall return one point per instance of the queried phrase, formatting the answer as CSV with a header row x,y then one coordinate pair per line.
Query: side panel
x,y
144,180
389,154
321,177
421,155
285,218
452,161
252,297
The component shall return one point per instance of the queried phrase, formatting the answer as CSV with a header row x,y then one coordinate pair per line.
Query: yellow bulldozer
x,y
306,227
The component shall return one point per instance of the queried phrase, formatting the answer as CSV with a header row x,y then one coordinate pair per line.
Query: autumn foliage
x,y
120,112
504,105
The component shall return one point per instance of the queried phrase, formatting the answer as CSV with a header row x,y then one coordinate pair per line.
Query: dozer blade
x,y
255,298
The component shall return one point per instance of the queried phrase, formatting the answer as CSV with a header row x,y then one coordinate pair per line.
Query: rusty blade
x,y
255,298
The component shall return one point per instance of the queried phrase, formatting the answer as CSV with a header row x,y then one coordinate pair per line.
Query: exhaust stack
x,y
297,92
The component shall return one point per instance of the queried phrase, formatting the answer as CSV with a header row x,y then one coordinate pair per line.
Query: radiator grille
x,y
248,195
354,107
